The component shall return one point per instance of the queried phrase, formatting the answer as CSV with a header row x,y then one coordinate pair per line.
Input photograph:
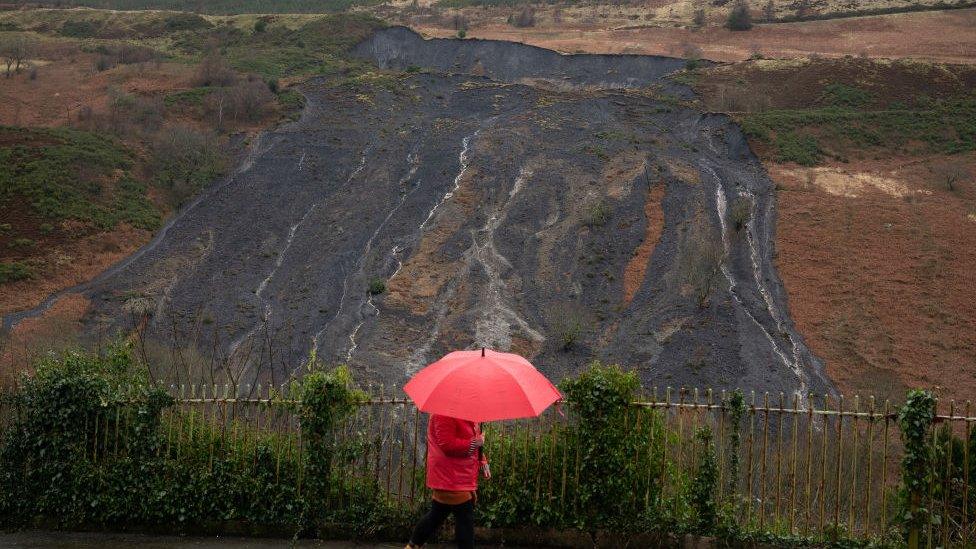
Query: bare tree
x,y
460,22
214,71
523,19
16,52
184,160
769,11
247,100
950,173
700,260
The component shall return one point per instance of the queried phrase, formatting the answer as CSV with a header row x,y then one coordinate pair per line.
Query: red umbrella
x,y
481,386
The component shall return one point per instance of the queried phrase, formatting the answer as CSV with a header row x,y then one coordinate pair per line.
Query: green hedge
x,y
65,460
92,444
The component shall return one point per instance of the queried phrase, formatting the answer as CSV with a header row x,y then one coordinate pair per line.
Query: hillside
x,y
397,197
410,211
874,165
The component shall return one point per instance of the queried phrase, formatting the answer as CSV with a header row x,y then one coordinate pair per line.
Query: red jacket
x,y
452,462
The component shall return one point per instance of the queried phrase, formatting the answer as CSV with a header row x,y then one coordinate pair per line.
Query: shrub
x,y
842,95
597,215
12,271
525,18
740,213
692,54
260,25
699,19
184,160
702,492
376,286
699,262
21,243
214,71
91,446
740,17
800,148
601,398
79,29
569,329
186,22
104,63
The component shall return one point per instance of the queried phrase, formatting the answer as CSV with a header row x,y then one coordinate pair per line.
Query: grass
x,y
69,174
193,96
597,215
289,46
931,127
316,47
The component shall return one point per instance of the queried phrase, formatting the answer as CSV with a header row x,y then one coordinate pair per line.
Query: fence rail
x,y
819,467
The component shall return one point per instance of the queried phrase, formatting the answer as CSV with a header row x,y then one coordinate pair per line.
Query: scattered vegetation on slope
x,y
270,46
165,92
219,6
882,160
930,127
70,174
810,110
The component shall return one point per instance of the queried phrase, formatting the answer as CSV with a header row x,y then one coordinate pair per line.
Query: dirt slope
x,y
405,215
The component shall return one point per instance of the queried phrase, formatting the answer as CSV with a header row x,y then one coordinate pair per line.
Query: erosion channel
x,y
566,207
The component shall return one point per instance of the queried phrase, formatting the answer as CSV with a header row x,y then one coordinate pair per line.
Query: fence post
x,y
916,418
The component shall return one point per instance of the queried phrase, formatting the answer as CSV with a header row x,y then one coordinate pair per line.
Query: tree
x,y
214,71
16,52
699,18
769,11
740,18
184,160
950,174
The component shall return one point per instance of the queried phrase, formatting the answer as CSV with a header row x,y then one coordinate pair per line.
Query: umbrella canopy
x,y
482,385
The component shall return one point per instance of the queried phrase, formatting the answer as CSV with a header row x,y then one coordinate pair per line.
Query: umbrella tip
x,y
482,351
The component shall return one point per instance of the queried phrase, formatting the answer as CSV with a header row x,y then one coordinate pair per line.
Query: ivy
x,y
601,398
90,446
736,409
915,420
705,481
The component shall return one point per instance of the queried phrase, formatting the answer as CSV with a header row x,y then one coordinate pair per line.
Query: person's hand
x,y
478,441
486,470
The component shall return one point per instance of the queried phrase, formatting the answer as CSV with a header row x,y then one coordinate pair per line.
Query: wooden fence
x,y
818,467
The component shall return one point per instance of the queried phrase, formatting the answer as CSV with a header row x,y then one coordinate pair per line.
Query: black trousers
x,y
463,523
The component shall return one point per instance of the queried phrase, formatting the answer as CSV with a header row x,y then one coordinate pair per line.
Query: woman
x,y
454,454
